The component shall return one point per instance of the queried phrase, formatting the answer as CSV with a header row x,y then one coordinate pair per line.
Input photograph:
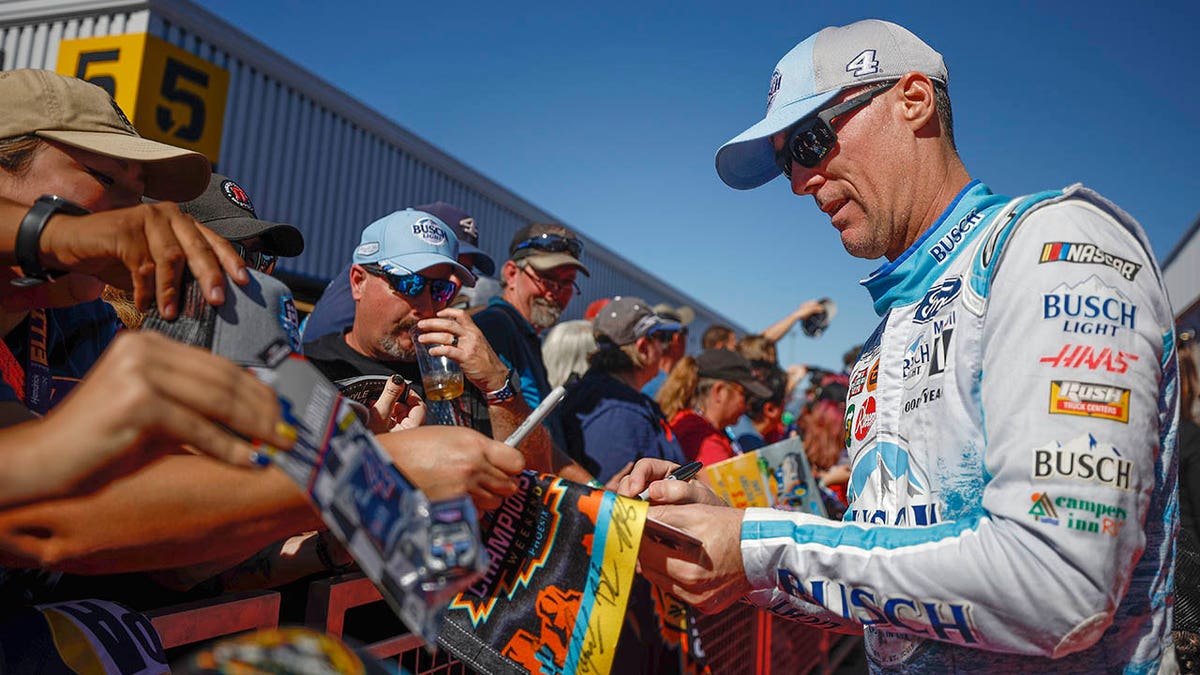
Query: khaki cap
x,y
80,114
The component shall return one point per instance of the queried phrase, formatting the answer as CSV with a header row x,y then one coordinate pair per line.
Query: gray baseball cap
x,y
812,74
254,318
626,319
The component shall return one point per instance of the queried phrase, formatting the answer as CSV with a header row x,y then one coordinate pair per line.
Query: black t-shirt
x,y
338,361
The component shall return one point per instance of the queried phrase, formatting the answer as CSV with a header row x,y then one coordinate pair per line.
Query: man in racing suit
x,y
1012,434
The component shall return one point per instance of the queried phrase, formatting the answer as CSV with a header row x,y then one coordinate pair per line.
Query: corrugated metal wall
x,y
1181,272
310,155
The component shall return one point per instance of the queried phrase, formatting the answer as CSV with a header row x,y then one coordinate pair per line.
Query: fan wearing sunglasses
x,y
976,411
406,271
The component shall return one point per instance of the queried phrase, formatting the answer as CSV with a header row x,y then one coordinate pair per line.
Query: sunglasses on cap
x,y
552,243
812,138
260,260
412,285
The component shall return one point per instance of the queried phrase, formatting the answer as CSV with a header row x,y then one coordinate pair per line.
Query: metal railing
x,y
740,640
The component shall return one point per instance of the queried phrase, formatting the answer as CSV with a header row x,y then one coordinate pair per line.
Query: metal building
x,y
188,77
1181,270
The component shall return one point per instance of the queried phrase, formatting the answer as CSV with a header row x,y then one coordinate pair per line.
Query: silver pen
x,y
535,418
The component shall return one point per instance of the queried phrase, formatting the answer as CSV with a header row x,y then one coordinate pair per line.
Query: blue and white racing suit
x,y
1011,425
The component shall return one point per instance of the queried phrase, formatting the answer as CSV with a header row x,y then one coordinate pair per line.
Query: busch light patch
x,y
429,231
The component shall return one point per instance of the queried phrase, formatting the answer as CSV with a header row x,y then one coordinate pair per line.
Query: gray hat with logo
x,y
253,318
626,319
812,74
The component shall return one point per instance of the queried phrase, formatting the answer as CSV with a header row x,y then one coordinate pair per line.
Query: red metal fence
x,y
740,640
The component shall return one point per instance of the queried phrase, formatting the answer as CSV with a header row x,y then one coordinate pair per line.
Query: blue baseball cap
x,y
410,241
811,75
467,231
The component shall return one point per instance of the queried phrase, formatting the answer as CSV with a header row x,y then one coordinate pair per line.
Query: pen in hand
x,y
685,472
535,418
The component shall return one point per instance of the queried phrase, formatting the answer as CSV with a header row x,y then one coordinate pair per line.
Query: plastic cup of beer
x,y
441,376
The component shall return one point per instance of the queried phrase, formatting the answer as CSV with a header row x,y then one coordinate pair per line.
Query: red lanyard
x,y
11,371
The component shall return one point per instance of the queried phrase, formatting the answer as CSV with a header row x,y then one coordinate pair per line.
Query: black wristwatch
x,y
505,392
30,233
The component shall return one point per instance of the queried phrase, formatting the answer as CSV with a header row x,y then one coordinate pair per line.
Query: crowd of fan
x,y
129,476
133,462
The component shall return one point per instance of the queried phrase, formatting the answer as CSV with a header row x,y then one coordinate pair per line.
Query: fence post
x,y
762,643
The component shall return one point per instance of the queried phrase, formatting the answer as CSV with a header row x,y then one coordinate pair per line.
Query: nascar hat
x,y
410,241
80,114
812,74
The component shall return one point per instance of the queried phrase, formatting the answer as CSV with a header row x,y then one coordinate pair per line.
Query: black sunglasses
x,y
810,139
552,243
412,285
260,260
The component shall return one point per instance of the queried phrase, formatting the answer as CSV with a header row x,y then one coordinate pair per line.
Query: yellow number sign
x,y
169,94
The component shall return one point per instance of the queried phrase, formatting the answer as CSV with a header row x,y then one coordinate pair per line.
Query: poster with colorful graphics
x,y
777,476
563,559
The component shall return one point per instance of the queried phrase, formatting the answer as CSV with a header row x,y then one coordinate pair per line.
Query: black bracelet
x,y
29,234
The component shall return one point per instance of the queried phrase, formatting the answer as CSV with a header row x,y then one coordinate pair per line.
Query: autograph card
x,y
419,554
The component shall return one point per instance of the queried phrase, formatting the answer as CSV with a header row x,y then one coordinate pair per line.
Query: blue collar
x,y
906,279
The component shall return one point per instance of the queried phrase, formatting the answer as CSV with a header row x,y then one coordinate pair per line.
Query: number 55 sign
x,y
169,94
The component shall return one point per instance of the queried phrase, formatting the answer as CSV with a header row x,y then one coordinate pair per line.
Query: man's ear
x,y
643,347
509,271
358,281
917,100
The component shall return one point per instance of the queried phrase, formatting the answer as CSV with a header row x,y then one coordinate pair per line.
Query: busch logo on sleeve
x,y
1090,307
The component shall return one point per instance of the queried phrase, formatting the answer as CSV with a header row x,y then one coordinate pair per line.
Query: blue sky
x,y
608,116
